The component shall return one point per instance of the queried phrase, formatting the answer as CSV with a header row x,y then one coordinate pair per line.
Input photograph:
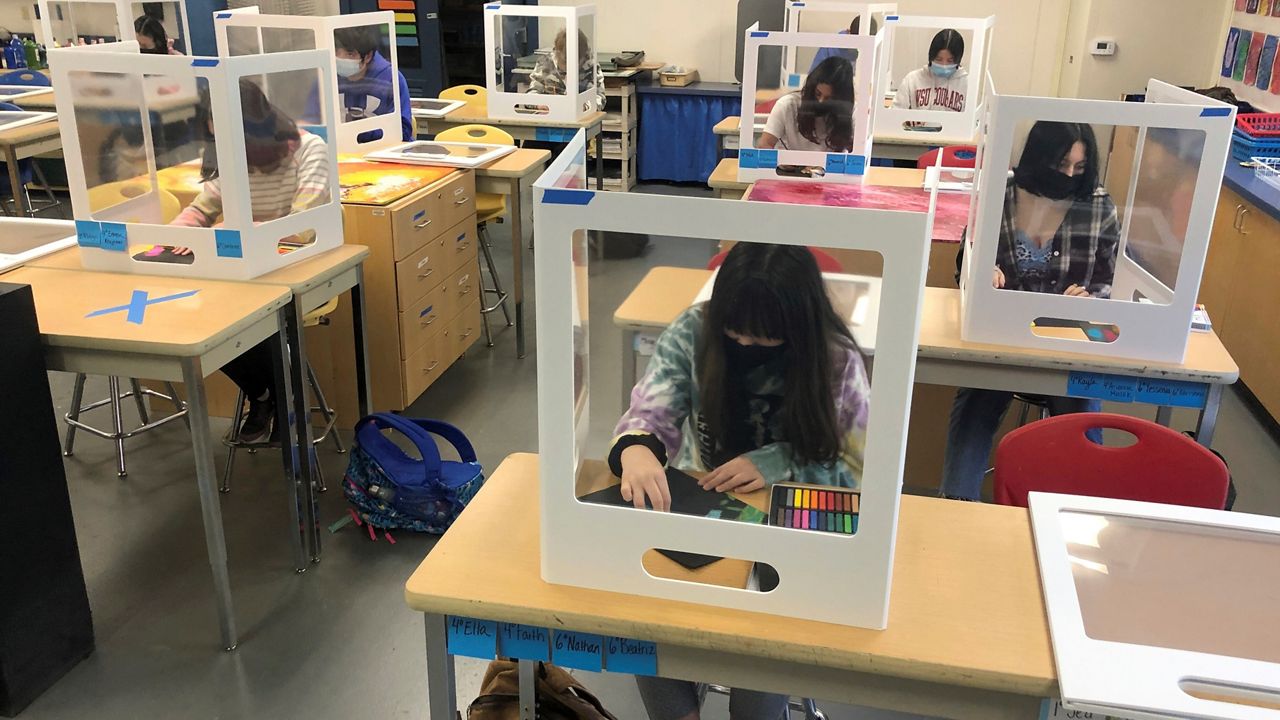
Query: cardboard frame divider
x,y
527,106
124,17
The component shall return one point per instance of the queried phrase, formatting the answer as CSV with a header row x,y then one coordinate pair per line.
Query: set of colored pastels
x,y
813,507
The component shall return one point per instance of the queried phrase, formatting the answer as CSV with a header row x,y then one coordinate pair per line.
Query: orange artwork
x,y
379,183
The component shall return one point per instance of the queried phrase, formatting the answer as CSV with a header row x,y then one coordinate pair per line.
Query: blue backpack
x,y
389,489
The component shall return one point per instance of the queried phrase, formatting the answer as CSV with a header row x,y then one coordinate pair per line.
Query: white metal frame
x,y
569,107
600,546
13,93
444,108
322,28
13,119
257,241
395,154
124,17
955,126
796,10
1149,331
848,167
1130,680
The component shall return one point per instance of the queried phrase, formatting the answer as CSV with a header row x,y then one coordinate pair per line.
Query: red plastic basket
x,y
1259,124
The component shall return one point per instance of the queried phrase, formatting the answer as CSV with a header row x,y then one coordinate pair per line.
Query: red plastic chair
x,y
826,263
956,156
1163,466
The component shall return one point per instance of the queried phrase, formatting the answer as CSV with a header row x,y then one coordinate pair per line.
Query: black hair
x,y
949,40
154,29
775,292
837,111
363,39
857,22
1049,142
268,132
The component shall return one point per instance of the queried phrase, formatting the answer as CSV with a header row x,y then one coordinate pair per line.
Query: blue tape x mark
x,y
137,305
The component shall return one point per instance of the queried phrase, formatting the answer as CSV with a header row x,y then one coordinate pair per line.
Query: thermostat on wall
x,y
1102,46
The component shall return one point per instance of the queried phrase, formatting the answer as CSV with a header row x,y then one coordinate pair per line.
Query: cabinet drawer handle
x,y
465,291
426,274
1243,214
434,363
430,319
462,246
467,334
424,223
461,202
1235,221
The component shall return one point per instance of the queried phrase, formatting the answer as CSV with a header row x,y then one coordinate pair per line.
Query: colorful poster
x,y
1242,54
1275,76
1266,61
1255,53
1229,52
1264,7
375,183
1275,8
1240,5
1251,7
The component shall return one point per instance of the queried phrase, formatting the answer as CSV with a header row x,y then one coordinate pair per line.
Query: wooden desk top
x,y
727,126
732,124
475,114
518,164
30,133
665,292
725,176
965,607
43,102
185,327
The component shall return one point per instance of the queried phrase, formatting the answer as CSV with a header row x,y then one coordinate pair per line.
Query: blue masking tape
x,y
748,158
1101,386
88,233
223,16
473,638
114,237
767,158
580,651
1215,112
319,131
836,163
494,6
204,62
633,657
793,80
561,196
227,243
855,165
890,18
759,33
1171,393
525,642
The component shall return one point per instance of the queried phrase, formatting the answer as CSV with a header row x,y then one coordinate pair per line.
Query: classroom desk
x,y
522,129
967,635
890,148
24,142
167,338
44,102
944,358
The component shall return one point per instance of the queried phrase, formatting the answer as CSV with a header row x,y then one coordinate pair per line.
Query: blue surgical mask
x,y
942,71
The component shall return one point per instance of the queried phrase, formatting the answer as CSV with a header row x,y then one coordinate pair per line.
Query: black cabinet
x,y
418,48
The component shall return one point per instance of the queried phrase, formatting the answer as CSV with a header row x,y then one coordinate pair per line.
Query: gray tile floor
x,y
338,641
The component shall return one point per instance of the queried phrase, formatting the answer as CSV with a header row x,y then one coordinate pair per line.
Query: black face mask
x,y
741,358
1047,182
157,50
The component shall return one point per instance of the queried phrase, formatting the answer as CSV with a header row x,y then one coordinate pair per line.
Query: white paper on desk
x,y
856,297
948,179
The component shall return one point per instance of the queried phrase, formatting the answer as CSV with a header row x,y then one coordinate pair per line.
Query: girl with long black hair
x,y
819,117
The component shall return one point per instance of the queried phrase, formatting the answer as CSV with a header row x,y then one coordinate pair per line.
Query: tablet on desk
x,y
433,107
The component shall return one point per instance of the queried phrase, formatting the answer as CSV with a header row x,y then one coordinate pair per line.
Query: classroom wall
x,y
18,16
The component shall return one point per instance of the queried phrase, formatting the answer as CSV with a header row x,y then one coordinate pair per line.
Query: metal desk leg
x,y
1208,421
364,388
528,694
301,419
516,210
1164,415
15,180
441,689
283,391
198,411
628,366
599,159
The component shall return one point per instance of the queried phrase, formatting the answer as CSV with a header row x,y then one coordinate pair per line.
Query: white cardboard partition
x,y
238,248
56,34
1155,329
581,92
246,31
834,15
1154,607
892,122
757,164
600,546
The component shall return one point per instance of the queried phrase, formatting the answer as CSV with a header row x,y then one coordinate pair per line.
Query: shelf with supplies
x,y
618,136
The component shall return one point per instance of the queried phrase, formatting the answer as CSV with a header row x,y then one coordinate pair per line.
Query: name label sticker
x,y
580,651
748,158
633,657
525,642
1172,393
1101,386
473,638
767,158
228,243
836,163
88,234
114,237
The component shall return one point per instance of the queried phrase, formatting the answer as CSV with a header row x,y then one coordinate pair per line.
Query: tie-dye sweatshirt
x,y
665,404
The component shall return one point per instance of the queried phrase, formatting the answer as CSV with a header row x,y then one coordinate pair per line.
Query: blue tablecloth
x,y
676,142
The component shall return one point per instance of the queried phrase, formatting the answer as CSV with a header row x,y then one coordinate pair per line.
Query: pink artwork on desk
x,y
951,215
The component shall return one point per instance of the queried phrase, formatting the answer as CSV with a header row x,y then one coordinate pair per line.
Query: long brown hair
x,y
837,111
776,292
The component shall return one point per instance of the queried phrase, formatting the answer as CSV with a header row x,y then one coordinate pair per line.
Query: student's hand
x,y
1075,291
997,280
181,251
738,475
644,477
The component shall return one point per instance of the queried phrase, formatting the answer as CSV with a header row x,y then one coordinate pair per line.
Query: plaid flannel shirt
x,y
1084,248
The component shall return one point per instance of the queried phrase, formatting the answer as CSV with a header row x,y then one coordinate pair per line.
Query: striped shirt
x,y
1083,248
300,183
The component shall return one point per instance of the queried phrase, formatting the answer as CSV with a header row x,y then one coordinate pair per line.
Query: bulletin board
x,y
1250,63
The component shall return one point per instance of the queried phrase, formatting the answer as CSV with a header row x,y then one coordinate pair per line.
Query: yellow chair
x,y
490,207
469,94
111,194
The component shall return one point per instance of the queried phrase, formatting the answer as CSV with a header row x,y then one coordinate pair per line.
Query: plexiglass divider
x,y
830,16
203,167
66,22
366,95
542,62
1113,269
590,540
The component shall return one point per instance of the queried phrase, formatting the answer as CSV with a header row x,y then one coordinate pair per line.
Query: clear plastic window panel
x,y
803,59
810,110
915,85
79,23
169,15
547,66
367,86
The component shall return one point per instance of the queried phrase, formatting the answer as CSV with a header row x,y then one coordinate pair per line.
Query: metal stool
x,y
118,434
497,290
803,705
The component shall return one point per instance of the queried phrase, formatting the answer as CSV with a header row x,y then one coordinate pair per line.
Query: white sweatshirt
x,y
922,90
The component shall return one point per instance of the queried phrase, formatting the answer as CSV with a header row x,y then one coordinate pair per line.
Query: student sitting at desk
x,y
850,54
288,173
365,84
817,117
548,76
941,84
152,38
1059,235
